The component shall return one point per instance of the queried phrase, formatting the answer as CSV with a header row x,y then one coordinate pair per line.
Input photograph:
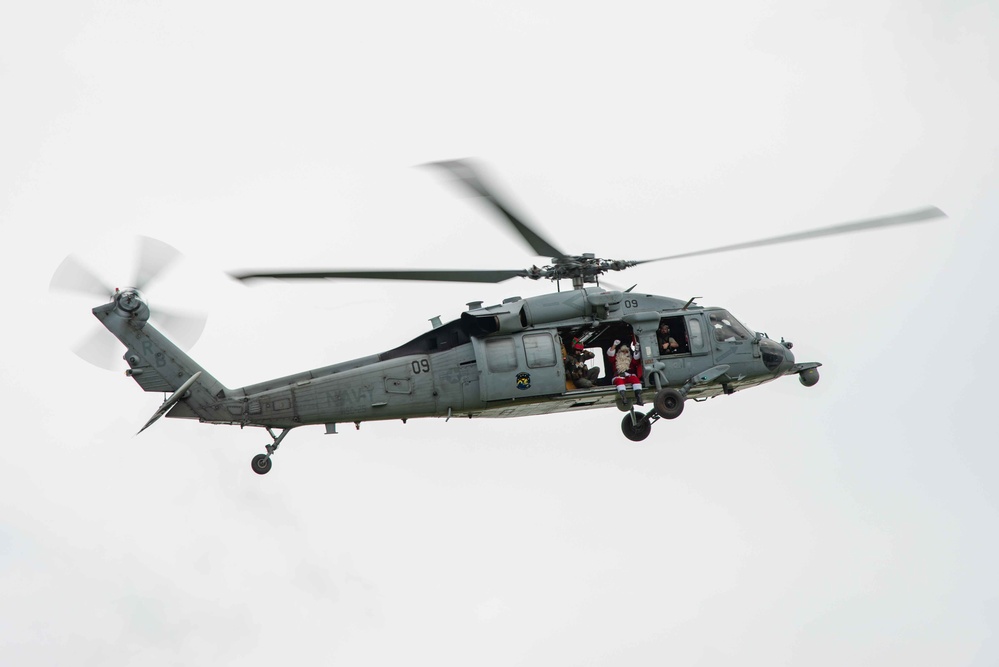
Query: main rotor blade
x,y
73,276
921,215
467,175
154,257
445,275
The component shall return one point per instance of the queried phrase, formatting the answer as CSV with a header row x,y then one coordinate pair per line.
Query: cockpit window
x,y
727,328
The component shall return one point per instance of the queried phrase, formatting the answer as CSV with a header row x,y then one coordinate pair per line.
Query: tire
x,y
639,432
261,464
669,403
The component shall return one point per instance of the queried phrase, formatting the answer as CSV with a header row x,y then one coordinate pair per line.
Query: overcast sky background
x,y
850,523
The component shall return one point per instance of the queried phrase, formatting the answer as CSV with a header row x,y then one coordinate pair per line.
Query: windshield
x,y
726,327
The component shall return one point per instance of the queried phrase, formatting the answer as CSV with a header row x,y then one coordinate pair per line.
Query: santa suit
x,y
625,367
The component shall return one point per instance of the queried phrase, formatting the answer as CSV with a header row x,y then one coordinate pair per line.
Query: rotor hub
x,y
131,304
129,299
578,268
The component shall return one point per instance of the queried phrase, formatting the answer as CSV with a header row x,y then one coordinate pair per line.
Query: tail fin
x,y
157,364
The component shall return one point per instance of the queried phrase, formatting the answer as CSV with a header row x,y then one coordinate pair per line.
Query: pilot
x,y
667,344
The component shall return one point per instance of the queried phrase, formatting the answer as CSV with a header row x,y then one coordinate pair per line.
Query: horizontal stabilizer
x,y
169,403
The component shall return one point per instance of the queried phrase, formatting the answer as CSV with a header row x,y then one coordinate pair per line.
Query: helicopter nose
x,y
776,357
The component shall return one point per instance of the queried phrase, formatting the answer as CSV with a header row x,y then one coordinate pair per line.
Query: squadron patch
x,y
523,380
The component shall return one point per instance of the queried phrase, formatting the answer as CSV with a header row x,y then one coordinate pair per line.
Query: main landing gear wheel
x,y
639,429
261,464
669,403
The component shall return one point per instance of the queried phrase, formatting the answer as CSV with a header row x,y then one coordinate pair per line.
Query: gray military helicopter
x,y
517,358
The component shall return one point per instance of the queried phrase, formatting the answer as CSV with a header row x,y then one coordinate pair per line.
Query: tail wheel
x,y
261,464
669,403
636,430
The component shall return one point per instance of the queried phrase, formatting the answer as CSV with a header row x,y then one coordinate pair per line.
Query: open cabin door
x,y
520,365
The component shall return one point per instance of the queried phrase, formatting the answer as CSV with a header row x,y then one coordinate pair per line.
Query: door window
x,y
540,350
501,355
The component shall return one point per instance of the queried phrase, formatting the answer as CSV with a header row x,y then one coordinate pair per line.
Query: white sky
x,y
850,523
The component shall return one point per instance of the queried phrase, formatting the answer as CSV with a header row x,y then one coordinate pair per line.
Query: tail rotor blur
x,y
74,276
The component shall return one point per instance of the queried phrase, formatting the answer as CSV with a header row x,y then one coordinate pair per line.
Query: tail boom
x,y
157,364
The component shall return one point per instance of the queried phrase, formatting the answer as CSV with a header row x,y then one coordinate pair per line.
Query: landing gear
x,y
636,426
669,403
262,463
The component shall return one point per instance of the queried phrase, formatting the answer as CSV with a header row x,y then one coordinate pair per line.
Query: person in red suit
x,y
624,364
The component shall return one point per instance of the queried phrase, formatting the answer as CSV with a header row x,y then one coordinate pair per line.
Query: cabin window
x,y
501,355
695,333
540,350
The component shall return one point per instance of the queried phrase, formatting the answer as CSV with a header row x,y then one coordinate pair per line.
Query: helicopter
x,y
585,348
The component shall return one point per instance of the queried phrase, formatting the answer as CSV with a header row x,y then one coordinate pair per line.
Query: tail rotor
x,y
74,276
